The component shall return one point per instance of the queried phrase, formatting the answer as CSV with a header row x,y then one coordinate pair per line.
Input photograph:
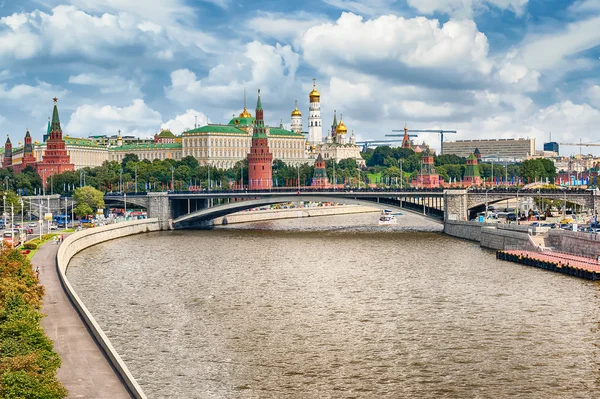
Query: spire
x,y
55,125
27,133
8,139
281,123
334,118
258,103
48,130
244,98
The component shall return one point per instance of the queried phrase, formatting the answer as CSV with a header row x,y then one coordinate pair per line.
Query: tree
x,y
88,200
129,158
449,159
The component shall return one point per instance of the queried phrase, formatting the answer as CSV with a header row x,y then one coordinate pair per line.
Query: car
x,y
512,217
566,221
29,230
53,227
33,224
535,224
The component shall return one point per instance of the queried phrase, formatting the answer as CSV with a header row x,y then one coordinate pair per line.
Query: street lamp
x,y
136,187
4,209
401,174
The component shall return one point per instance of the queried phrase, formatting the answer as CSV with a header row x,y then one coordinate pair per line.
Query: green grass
x,y
374,177
45,239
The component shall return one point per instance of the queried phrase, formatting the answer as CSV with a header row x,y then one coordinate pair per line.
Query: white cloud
x,y
585,6
270,68
137,119
398,48
69,32
282,27
156,10
186,121
466,8
108,84
35,99
364,7
554,50
593,94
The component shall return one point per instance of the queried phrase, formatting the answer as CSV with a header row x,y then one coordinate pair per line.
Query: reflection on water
x,y
337,307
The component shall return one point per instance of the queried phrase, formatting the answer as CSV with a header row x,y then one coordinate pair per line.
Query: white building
x,y
315,129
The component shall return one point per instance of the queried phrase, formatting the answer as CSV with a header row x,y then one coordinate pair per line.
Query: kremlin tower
x,y
55,159
297,120
7,162
28,158
472,177
260,159
315,130
320,175
428,178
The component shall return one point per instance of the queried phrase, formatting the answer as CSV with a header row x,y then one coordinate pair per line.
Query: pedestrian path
x,y
85,372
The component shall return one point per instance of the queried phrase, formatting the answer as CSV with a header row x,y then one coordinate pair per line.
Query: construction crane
x,y
370,143
406,131
580,145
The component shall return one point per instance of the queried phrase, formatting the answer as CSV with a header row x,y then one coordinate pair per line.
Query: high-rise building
x,y
315,130
260,159
551,146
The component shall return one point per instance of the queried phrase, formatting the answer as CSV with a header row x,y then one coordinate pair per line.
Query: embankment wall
x,y
78,242
584,244
489,235
293,213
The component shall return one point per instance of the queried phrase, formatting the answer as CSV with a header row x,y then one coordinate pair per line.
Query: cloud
x,y
165,11
270,68
108,84
70,34
593,94
556,49
35,99
186,121
466,8
585,6
281,27
137,119
364,7
418,50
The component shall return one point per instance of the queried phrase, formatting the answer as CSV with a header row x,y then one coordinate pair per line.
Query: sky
x,y
485,68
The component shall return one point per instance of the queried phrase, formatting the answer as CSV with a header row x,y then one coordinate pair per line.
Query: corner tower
x,y
260,159
315,130
7,162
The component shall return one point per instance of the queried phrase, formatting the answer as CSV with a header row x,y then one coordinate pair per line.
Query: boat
x,y
386,217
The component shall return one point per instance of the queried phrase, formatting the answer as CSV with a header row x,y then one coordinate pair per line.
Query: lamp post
x,y
51,184
136,187
44,181
22,205
121,181
6,182
492,173
298,177
486,205
12,222
401,174
125,201
334,181
4,209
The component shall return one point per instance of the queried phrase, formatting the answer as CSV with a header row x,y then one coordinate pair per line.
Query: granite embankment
x,y
72,245
292,213
492,236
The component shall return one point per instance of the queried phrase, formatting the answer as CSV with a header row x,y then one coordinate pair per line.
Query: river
x,y
338,307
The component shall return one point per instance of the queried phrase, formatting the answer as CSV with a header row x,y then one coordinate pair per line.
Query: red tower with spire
x,y
7,161
55,158
28,158
260,159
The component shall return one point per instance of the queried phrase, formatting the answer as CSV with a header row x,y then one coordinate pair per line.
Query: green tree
x,y
88,200
449,159
129,158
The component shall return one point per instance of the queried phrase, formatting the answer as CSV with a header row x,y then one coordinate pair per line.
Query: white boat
x,y
387,217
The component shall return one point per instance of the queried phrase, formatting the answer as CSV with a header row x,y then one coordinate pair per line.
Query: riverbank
x,y
292,213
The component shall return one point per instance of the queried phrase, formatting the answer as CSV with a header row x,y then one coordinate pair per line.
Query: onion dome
x,y
296,112
341,128
314,95
245,114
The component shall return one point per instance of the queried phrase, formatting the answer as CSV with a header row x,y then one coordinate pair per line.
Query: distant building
x,y
551,146
337,146
507,149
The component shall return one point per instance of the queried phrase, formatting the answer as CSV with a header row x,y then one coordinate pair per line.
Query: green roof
x,y
145,146
166,134
282,132
80,142
217,129
242,121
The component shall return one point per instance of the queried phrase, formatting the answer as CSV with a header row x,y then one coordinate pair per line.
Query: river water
x,y
338,307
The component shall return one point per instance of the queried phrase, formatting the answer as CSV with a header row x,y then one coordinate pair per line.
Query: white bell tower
x,y
315,129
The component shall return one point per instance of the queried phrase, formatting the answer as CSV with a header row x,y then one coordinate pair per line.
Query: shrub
x,y
28,362
30,245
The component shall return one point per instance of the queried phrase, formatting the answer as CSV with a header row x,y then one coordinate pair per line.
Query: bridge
x,y
180,210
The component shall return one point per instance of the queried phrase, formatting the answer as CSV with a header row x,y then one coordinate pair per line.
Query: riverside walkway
x,y
85,372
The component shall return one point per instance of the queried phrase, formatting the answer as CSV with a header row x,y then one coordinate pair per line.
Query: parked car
x,y
53,227
512,217
33,224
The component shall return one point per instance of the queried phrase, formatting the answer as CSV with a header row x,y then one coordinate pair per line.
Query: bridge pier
x,y
159,207
455,205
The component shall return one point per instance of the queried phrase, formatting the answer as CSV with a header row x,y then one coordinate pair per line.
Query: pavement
x,y
85,371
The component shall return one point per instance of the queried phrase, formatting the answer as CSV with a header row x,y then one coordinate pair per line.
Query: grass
x,y
45,238
374,177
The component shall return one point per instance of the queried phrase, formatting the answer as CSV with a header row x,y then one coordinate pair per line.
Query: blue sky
x,y
487,68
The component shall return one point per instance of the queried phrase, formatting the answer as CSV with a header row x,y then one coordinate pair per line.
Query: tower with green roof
x,y
260,158
472,176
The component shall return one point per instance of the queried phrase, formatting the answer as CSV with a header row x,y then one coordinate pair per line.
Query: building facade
x,y
337,146
506,149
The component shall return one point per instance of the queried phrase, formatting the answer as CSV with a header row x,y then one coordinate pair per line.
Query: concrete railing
x,y
78,242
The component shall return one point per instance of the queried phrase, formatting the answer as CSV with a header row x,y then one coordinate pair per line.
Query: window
x,y
263,168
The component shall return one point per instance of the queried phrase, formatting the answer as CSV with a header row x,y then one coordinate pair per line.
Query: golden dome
x,y
341,128
314,95
245,114
296,112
